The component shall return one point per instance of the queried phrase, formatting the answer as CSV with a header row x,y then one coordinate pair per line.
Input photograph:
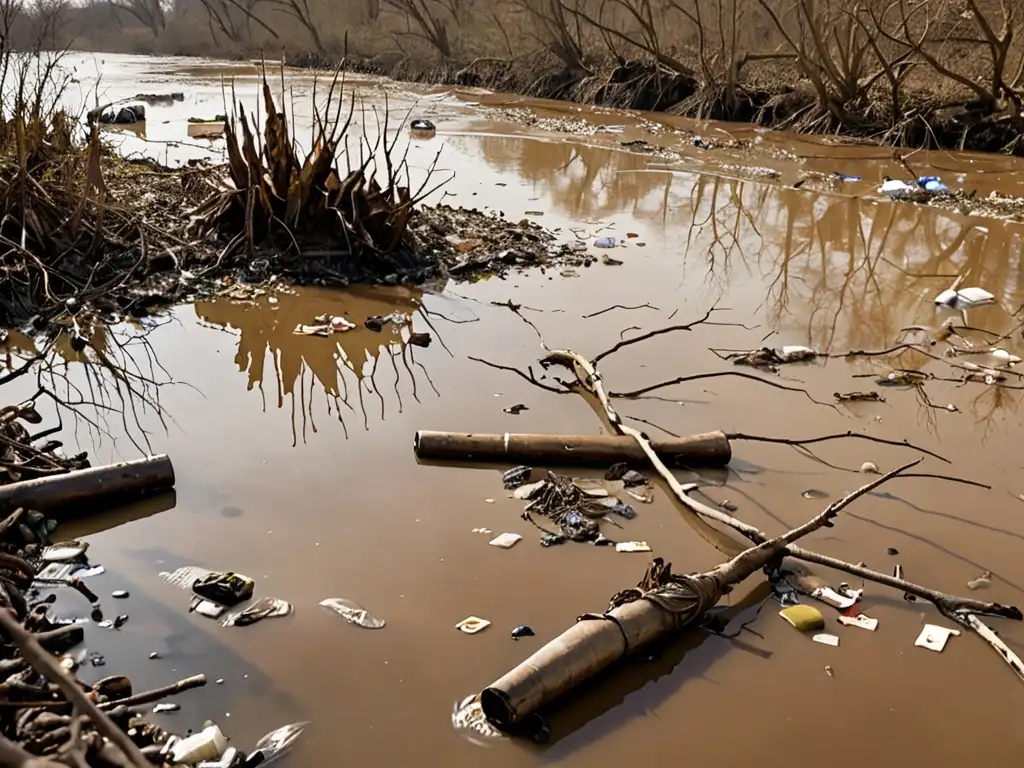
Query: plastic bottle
x,y
208,744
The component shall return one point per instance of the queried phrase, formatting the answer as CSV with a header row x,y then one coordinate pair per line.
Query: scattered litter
x,y
55,573
226,588
568,273
185,577
982,582
166,707
813,493
860,620
97,659
422,124
644,494
230,758
632,235
553,539
472,625
207,608
766,357
119,594
844,177
340,324
806,618
275,744
840,599
934,637
869,468
534,213
505,540
896,189
468,720
208,744
616,506
727,505
420,339
608,261
527,492
264,608
605,242
858,397
488,501
828,671
154,655
932,184
483,530
633,478
826,639
92,570
64,551
1003,356
965,298
516,477
632,546
892,551
522,631
516,409
312,330
120,621
352,612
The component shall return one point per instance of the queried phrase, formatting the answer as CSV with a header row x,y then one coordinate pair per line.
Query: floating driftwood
x,y
705,450
52,494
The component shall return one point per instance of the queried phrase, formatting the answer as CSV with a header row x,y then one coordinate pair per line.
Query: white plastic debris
x,y
208,744
472,624
826,639
860,620
965,298
340,324
829,596
896,189
505,540
1004,357
792,353
207,608
869,468
64,551
934,637
527,492
632,546
352,612
276,743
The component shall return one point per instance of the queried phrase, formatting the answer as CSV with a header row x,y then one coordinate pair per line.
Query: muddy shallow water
x,y
295,466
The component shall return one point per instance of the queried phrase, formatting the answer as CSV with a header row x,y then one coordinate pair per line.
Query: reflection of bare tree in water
x,y
107,380
352,369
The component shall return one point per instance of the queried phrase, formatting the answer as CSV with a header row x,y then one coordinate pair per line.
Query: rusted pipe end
x,y
497,707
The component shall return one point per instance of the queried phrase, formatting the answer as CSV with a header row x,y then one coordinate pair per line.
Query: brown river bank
x,y
295,465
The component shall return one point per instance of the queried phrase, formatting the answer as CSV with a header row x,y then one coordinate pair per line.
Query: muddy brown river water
x,y
295,465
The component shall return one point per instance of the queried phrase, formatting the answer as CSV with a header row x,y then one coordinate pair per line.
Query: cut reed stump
x,y
707,450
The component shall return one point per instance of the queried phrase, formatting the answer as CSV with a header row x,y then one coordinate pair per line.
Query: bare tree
x,y
974,29
148,12
559,30
834,49
429,17
224,15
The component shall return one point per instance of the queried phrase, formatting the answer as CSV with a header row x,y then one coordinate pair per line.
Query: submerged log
x,y
52,494
711,449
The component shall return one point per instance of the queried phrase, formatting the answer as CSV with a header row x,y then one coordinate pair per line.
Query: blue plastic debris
x,y
932,184
844,177
604,242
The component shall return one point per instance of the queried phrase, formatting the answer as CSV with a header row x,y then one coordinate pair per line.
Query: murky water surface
x,y
295,464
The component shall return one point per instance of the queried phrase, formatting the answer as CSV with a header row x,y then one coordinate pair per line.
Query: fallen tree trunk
x,y
53,494
710,449
661,603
